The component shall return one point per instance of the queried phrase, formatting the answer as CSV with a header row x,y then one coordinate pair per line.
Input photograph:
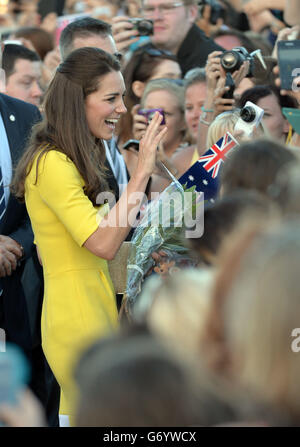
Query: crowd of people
x,y
102,101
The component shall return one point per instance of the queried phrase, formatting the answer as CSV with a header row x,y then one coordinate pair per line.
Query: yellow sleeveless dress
x,y
79,300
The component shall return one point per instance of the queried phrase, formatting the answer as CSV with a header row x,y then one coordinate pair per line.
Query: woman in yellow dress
x,y
61,176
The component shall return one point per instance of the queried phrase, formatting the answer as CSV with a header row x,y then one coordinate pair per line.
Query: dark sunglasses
x,y
156,52
118,56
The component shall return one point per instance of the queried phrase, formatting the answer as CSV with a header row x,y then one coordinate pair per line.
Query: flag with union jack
x,y
204,174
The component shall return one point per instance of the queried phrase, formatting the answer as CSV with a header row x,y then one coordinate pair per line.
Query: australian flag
x,y
204,174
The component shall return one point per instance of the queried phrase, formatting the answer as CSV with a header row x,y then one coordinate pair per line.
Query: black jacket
x,y
18,118
194,49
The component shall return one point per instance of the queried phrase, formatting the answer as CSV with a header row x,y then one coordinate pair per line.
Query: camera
x,y
217,11
143,26
149,113
248,114
250,117
229,82
232,60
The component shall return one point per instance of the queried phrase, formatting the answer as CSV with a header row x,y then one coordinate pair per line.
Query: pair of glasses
x,y
164,8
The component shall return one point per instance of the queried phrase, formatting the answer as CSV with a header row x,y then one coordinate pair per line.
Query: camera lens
x,y
248,114
229,60
145,27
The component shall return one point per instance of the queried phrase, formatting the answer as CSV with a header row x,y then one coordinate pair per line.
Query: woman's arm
x,y
257,6
113,229
292,12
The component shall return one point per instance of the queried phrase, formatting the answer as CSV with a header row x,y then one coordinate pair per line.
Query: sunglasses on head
x,y
118,56
156,52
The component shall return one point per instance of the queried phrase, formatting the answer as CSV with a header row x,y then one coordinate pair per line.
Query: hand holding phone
x,y
149,114
139,125
289,63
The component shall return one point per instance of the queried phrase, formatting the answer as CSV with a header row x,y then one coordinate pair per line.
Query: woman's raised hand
x,y
140,122
149,144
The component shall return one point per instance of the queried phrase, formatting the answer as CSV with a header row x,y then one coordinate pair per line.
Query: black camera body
x,y
217,11
143,26
232,60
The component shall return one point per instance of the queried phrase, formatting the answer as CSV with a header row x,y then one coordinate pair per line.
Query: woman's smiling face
x,y
104,107
194,99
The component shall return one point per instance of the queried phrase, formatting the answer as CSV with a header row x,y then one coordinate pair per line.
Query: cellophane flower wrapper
x,y
161,228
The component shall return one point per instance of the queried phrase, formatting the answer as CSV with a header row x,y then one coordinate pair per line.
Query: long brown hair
x,y
64,127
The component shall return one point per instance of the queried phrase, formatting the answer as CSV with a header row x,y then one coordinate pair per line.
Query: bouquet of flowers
x,y
161,229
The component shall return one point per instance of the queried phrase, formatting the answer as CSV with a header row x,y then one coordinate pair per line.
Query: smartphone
x,y
14,374
293,117
289,62
250,117
149,113
135,144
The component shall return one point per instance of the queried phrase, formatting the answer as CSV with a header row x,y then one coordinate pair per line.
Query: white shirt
x,y
5,160
122,180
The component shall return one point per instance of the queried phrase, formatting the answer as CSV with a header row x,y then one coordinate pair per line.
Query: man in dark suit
x,y
20,286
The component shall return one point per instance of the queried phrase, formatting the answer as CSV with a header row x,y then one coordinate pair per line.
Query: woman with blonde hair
x,y
166,94
176,303
225,122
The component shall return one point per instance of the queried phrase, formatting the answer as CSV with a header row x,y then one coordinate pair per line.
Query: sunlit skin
x,y
244,85
194,99
169,29
228,42
273,119
24,83
167,69
106,43
105,106
174,117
